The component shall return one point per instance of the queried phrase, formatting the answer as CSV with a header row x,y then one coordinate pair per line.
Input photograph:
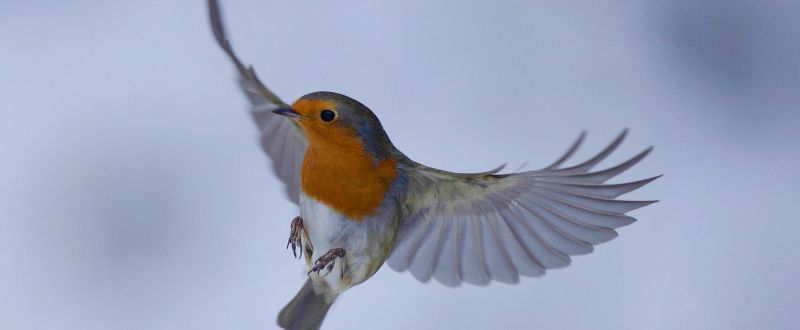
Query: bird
x,y
363,203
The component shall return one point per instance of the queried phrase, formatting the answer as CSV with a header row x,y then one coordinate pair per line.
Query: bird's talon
x,y
327,261
295,236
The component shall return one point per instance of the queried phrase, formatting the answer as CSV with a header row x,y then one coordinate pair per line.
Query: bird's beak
x,y
287,112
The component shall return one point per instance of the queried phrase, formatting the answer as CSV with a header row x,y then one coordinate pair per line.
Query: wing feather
x,y
571,151
612,206
587,165
484,227
573,228
473,260
446,260
422,262
589,217
524,262
502,268
405,249
596,190
541,238
599,176
281,139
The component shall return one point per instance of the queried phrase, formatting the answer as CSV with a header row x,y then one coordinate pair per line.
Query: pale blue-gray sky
x,y
133,193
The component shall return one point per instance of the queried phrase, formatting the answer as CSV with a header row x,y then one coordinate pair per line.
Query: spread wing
x,y
480,227
282,139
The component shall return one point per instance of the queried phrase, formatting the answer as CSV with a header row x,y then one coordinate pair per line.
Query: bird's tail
x,y
307,310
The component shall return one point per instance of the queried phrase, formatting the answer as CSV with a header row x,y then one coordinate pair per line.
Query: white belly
x,y
364,244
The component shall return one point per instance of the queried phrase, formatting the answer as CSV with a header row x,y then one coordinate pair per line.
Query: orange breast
x,y
338,173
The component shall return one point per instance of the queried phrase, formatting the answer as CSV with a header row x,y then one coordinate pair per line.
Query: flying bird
x,y
363,203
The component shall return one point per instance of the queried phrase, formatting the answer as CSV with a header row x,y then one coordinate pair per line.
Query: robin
x,y
363,202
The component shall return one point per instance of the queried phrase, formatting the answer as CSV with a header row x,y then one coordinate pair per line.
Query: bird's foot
x,y
327,261
296,236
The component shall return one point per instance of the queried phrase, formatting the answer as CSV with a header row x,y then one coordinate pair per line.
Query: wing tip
x,y
653,178
218,29
620,137
640,204
635,185
570,151
220,35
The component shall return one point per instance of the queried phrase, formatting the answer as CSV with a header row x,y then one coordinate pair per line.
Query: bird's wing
x,y
480,227
282,139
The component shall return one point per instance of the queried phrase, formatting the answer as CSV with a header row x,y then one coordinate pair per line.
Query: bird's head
x,y
332,120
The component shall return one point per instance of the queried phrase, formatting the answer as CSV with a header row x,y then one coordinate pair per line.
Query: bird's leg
x,y
327,261
296,236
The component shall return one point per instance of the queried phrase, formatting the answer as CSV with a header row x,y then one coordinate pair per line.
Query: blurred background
x,y
134,194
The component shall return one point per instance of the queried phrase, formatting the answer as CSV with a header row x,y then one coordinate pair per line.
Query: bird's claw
x,y
327,261
296,236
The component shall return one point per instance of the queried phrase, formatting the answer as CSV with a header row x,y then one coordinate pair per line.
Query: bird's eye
x,y
327,115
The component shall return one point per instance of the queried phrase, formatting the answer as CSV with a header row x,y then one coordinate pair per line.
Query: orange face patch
x,y
311,108
336,169
314,127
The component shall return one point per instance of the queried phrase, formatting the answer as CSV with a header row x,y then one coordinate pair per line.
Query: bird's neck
x,y
346,178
